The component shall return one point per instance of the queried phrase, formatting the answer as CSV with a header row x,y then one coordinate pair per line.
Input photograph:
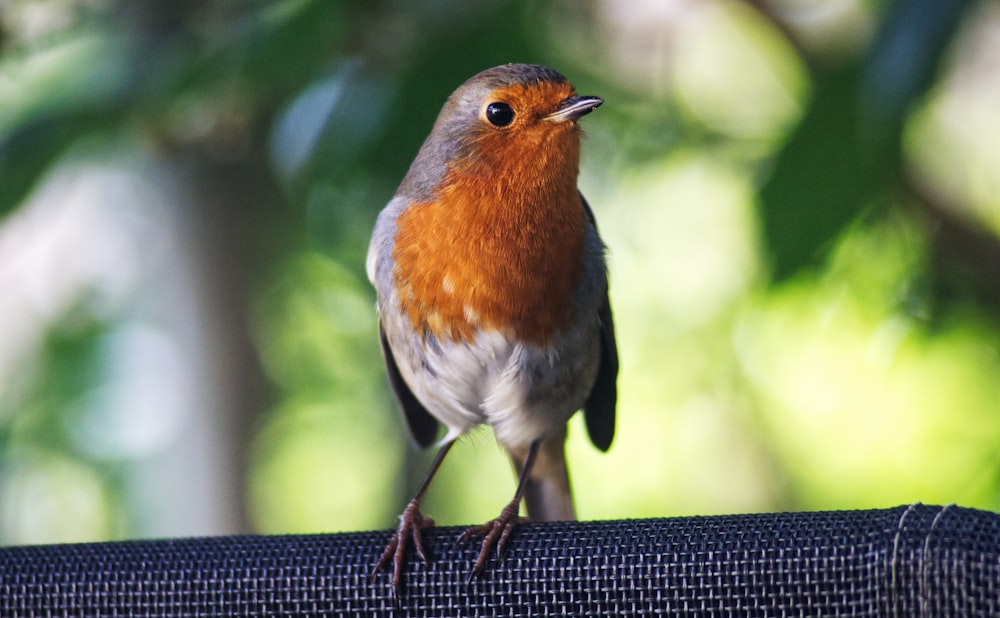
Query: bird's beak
x,y
574,107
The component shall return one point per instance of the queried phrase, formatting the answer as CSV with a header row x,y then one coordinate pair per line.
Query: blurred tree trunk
x,y
227,223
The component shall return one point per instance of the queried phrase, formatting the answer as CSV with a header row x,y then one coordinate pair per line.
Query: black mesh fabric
x,y
912,560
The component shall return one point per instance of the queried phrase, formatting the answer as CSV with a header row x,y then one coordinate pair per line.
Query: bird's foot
x,y
411,524
495,533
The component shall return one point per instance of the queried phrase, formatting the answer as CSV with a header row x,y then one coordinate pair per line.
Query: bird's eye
x,y
499,114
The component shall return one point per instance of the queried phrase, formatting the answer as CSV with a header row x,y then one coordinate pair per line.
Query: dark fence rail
x,y
915,560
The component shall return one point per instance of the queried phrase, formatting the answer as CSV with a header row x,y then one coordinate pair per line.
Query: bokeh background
x,y
801,199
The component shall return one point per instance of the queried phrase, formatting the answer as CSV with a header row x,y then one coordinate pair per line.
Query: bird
x,y
492,295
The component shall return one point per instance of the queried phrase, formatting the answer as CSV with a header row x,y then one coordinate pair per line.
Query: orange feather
x,y
501,245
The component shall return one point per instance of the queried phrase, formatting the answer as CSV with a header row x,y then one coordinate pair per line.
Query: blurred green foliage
x,y
801,214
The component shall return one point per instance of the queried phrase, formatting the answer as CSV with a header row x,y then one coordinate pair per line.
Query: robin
x,y
493,294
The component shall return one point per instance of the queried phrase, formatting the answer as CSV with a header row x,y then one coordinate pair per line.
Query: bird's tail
x,y
547,493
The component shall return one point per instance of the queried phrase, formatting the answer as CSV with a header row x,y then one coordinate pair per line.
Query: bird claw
x,y
495,533
411,524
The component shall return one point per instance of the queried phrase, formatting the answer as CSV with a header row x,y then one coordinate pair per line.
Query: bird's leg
x,y
496,532
411,523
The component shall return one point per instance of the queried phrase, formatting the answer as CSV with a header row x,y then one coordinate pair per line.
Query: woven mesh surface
x,y
913,560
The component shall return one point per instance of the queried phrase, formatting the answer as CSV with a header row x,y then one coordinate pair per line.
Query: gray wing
x,y
423,427
599,409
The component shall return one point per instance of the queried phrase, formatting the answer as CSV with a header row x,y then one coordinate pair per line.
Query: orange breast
x,y
499,249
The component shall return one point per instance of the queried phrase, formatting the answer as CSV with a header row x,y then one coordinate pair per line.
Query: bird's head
x,y
516,120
